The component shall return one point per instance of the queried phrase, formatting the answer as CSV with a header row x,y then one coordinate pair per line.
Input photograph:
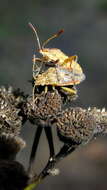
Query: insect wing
x,y
67,77
78,75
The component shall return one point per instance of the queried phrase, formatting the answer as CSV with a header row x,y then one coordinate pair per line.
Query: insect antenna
x,y
37,37
52,37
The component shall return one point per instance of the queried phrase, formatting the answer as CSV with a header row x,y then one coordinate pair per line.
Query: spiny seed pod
x,y
12,176
10,121
75,126
45,105
101,120
10,145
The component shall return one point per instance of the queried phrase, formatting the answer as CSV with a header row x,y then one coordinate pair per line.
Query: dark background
x,y
85,26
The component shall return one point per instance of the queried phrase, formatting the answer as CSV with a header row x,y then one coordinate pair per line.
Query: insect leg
x,y
53,87
35,74
38,68
46,89
69,90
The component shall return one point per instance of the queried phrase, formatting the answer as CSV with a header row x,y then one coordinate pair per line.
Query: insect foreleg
x,y
37,59
69,90
36,69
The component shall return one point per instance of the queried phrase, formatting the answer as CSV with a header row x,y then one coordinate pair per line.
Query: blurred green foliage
x,y
102,5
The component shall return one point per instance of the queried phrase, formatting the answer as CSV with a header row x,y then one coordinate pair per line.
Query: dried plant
x,y
45,109
75,126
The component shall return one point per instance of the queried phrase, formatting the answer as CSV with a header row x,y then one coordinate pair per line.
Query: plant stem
x,y
65,151
34,147
48,132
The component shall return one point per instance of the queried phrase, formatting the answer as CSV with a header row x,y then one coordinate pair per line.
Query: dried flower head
x,y
75,125
46,105
12,176
101,120
10,145
9,95
10,121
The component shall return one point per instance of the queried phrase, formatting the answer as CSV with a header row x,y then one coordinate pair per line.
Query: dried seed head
x,y
10,145
10,121
75,126
101,120
46,105
12,176
11,96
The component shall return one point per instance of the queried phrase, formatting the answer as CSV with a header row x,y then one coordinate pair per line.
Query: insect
x,y
63,70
